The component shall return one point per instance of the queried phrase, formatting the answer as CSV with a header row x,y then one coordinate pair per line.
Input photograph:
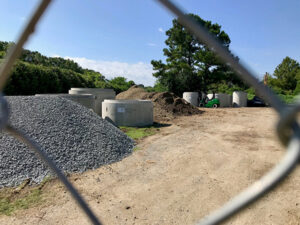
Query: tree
x,y
4,46
286,74
93,76
190,65
120,84
297,89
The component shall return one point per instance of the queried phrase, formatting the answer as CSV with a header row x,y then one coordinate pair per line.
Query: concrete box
x,y
133,113
99,93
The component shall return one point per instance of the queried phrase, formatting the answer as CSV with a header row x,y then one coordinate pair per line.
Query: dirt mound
x,y
166,104
135,92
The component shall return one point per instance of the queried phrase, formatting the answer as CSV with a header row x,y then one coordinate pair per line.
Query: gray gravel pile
x,y
74,137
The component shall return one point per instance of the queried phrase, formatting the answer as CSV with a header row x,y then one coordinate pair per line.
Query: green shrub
x,y
2,54
287,98
30,79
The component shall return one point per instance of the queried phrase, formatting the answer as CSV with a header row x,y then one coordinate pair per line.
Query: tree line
x,y
191,66
34,73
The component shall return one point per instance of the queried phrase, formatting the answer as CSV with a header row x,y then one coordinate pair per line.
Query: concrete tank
x,y
100,94
225,99
191,97
132,113
239,99
86,100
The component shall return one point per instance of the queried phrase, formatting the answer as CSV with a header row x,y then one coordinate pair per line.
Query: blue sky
x,y
120,38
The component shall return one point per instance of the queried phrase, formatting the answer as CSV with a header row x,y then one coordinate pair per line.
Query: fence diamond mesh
x,y
287,129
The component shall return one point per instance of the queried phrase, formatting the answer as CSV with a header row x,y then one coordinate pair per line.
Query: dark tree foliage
x,y
38,59
4,46
37,74
286,73
190,65
286,77
30,79
94,77
120,84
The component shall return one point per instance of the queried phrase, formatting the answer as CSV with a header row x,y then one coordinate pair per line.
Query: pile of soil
x,y
166,104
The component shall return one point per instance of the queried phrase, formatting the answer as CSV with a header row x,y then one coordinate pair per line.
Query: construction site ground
x,y
179,175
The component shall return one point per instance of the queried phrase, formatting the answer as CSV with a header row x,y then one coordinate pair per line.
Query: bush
x,y
287,98
2,54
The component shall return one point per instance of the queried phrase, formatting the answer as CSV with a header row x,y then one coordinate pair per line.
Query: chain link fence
x,y
287,127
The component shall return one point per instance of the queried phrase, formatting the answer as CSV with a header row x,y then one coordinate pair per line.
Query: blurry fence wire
x,y
288,129
5,68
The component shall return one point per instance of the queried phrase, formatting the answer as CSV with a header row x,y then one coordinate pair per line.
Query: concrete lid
x,y
95,90
224,94
191,92
68,95
127,101
241,92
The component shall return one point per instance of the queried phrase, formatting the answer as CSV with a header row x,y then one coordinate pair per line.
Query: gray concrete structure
x,y
100,94
239,99
132,113
191,97
86,100
225,99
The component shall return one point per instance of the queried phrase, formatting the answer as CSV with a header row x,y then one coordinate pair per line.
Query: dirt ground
x,y
181,174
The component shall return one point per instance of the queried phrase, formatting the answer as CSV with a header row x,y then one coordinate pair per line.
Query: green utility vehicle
x,y
209,103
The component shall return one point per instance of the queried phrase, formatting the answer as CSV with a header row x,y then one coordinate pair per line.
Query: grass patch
x,y
138,133
21,197
136,148
288,99
8,205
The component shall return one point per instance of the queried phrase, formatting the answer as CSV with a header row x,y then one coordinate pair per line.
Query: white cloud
x,y
140,73
55,56
151,44
161,30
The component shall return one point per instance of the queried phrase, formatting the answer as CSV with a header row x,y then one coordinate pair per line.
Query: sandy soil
x,y
180,175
